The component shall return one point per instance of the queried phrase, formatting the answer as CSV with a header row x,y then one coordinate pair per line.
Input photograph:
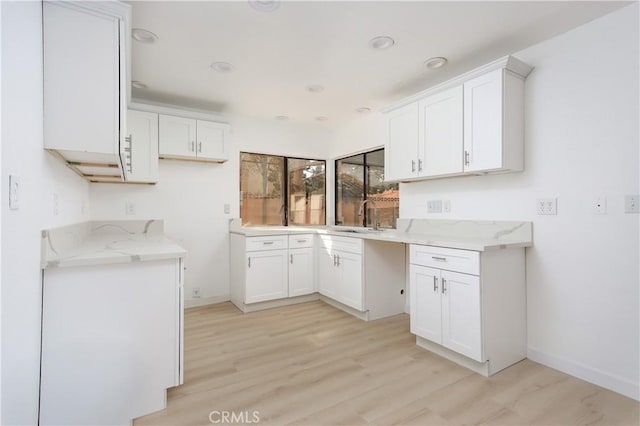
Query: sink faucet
x,y
375,212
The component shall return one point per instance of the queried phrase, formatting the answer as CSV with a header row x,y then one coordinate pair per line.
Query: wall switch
x,y
227,208
56,204
195,293
446,206
547,206
14,192
434,206
600,205
130,208
632,203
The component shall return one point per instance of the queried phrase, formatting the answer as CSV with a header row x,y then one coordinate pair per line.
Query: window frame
x,y
365,184
285,189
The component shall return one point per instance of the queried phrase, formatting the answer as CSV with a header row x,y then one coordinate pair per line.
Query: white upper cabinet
x,y
469,125
494,122
192,139
401,150
142,147
440,134
86,80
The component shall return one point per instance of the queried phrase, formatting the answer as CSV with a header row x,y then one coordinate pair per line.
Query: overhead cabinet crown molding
x,y
473,124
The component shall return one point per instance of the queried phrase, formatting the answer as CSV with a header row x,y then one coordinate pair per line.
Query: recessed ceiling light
x,y
265,5
138,84
363,110
315,88
322,118
381,42
222,67
434,63
282,117
144,36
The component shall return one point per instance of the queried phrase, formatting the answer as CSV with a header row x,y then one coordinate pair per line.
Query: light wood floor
x,y
315,365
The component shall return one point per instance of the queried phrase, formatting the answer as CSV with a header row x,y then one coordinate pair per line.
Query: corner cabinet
x,y
86,83
469,306
191,139
473,124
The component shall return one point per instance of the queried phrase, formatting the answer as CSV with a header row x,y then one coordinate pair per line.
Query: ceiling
x,y
276,55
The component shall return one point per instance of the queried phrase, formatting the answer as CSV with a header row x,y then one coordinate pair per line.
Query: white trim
x,y
178,111
516,66
193,303
598,377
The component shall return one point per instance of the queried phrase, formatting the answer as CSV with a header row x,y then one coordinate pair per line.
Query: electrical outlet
x,y
446,206
434,206
195,293
632,203
547,206
130,208
14,192
600,205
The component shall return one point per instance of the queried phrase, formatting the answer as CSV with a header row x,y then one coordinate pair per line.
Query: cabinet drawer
x,y
465,261
347,244
273,242
301,241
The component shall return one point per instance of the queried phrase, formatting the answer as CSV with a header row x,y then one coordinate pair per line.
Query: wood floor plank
x,y
312,364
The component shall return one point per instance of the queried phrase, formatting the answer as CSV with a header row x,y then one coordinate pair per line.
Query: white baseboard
x,y
192,303
598,377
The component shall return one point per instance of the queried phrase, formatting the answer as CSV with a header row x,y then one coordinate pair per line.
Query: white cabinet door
x,y
483,122
81,81
440,133
212,140
401,149
425,302
327,273
142,140
177,136
267,277
350,289
461,315
301,272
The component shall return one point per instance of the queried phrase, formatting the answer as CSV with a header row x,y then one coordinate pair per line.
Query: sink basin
x,y
358,230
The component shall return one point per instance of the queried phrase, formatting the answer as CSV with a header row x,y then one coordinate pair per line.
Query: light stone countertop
x,y
99,243
458,234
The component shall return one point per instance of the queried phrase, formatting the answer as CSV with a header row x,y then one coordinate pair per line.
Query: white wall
x,y
41,176
190,197
581,143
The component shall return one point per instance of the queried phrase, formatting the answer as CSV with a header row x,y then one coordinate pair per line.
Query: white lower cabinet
x,y
266,275
340,271
271,269
469,303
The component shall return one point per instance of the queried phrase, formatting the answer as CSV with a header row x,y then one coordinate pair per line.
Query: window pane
x,y
261,189
349,190
306,191
359,177
385,195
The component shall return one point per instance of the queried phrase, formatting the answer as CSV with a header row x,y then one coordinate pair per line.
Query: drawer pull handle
x,y
435,284
439,259
302,241
266,243
444,286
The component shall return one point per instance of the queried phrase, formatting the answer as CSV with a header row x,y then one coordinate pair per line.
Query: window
x,y
361,177
277,190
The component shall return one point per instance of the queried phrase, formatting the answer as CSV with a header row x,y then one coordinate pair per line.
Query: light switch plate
x,y
130,208
632,203
227,208
434,206
14,192
547,206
